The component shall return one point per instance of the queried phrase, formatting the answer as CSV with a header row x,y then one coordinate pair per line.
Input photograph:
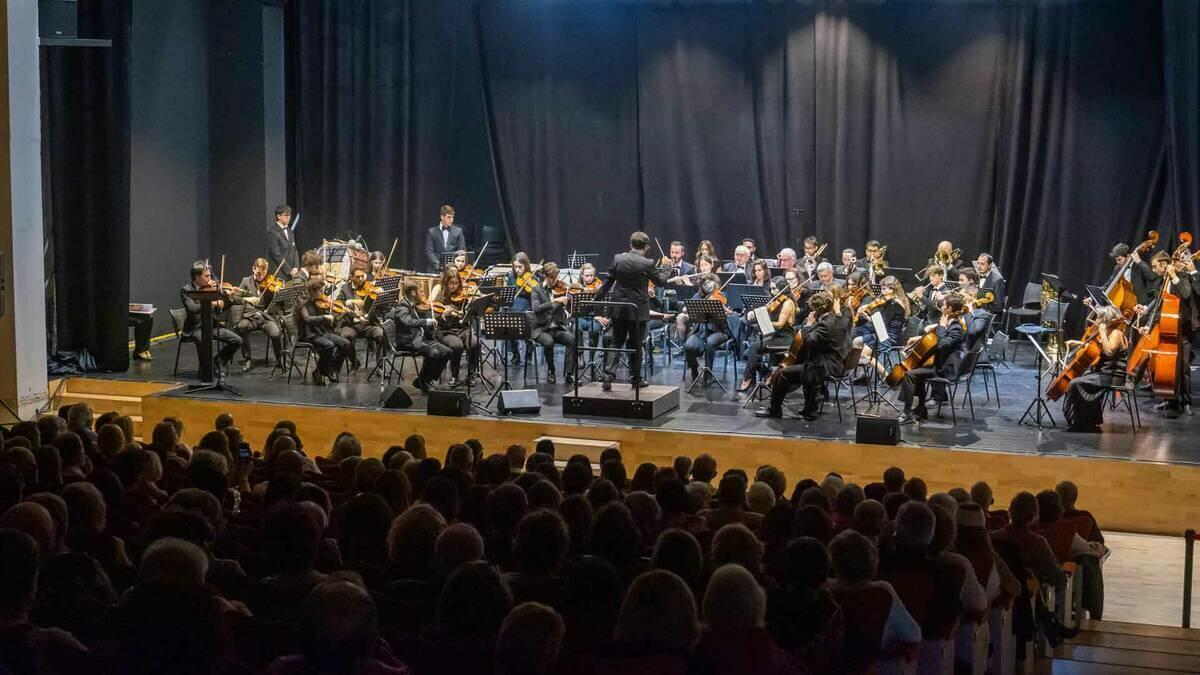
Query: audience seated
x,y
117,556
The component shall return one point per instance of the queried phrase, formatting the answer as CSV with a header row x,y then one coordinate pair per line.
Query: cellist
x,y
1177,277
822,352
1083,406
950,331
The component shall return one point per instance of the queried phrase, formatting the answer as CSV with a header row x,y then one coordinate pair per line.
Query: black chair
x,y
762,387
1123,391
177,318
966,368
846,378
1028,311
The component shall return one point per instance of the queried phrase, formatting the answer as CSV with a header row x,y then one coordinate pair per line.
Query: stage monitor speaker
x,y
449,403
58,18
397,399
520,402
877,430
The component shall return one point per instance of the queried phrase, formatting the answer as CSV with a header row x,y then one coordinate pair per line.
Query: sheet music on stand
x,y
734,293
448,258
576,300
707,311
286,298
755,306
576,260
388,283
504,295
383,304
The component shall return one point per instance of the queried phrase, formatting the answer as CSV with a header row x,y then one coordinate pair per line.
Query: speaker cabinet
x,y
449,403
520,402
877,430
58,18
397,399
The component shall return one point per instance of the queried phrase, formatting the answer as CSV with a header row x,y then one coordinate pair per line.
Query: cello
x,y
918,353
1082,359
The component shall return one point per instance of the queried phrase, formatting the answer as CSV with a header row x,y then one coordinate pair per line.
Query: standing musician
x,y
823,352
255,317
414,326
850,263
281,243
1083,406
230,342
357,323
629,277
990,279
740,262
443,238
1179,277
314,322
449,299
951,331
703,337
783,317
751,246
679,266
550,322
1139,274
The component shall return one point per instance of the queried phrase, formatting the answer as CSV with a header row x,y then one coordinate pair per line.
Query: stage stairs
x,y
121,396
1116,648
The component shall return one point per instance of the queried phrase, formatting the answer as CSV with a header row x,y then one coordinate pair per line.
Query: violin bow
x,y
387,262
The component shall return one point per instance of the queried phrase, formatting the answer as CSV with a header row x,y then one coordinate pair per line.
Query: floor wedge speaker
x,y
449,403
520,402
397,399
877,430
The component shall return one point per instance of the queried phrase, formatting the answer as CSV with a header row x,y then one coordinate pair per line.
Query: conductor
x,y
628,281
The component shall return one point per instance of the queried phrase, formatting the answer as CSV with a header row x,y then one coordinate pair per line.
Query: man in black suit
x,y
413,333
550,323
627,281
990,279
740,262
951,332
679,266
824,352
281,244
443,238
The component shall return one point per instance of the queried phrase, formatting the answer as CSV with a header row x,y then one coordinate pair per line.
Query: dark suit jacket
x,y
410,326
996,284
683,269
545,311
627,281
732,266
950,342
282,248
825,342
434,247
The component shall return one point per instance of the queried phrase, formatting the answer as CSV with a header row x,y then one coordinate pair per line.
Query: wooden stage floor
x,y
1146,481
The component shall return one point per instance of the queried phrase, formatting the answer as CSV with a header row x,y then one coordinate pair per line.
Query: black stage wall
x,y
1034,130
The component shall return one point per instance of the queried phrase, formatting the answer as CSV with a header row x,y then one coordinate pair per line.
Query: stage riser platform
x,y
1124,495
651,402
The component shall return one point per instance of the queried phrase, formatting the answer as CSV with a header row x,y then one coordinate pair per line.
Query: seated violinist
x,y
449,299
597,328
704,338
782,311
822,353
230,342
378,261
858,292
310,268
358,323
893,307
314,324
414,327
550,323
254,317
1083,406
951,331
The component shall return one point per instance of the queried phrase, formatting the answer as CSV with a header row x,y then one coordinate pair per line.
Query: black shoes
x,y
550,378
606,382
768,412
454,382
569,379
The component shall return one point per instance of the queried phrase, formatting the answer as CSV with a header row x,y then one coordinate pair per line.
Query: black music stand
x,y
281,305
595,307
707,312
380,308
1038,405
448,258
577,260
1056,285
471,314
583,301
205,346
505,326
751,302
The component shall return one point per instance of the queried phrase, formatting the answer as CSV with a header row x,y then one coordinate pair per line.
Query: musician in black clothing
x,y
314,325
706,337
1179,277
230,342
445,237
357,323
990,279
933,293
254,317
1141,278
413,333
977,320
863,328
281,243
823,352
628,281
951,331
550,324
783,318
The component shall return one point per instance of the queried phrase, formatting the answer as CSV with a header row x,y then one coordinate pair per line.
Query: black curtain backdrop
x,y
85,115
1037,131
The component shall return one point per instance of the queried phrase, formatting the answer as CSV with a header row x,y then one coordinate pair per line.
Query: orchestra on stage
x,y
797,320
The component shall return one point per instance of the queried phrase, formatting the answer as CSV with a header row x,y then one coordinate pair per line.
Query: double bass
x,y
1119,290
1157,352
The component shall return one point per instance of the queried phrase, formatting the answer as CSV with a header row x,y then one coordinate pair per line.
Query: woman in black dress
x,y
783,319
1083,405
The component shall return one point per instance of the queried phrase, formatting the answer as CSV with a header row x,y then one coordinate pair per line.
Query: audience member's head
x,y
813,521
541,543
35,521
704,469
981,494
659,613
174,561
916,489
70,450
1050,507
805,565
460,456
530,639
545,446
457,545
86,508
365,522
601,492
854,558
442,494
734,601
338,627
892,503
543,495
365,474
393,486
504,508
760,498
412,540
290,539
57,508
679,551
516,458
19,559
1068,493
345,445
945,501
731,493
577,513
615,536
613,471
699,496
473,603
914,526
736,544
683,467
1023,510
869,517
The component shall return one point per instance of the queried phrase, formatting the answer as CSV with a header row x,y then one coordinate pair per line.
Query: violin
x,y
870,307
855,297
526,282
558,288
270,283
229,289
579,287
368,290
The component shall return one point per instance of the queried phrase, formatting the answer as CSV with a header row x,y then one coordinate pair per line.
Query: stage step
x,y
1118,648
120,396
565,446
